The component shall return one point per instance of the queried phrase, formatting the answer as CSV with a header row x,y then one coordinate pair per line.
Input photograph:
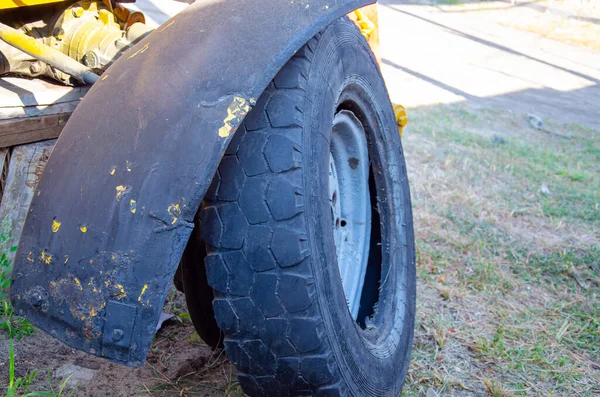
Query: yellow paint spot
x,y
175,212
55,226
169,24
113,170
78,283
66,259
132,206
39,192
46,258
104,77
121,190
121,293
140,51
238,109
144,288
30,257
83,229
93,312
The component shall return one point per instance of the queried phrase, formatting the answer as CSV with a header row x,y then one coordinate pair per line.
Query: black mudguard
x,y
115,206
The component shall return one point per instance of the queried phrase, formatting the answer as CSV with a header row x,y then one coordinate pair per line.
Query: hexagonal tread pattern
x,y
252,222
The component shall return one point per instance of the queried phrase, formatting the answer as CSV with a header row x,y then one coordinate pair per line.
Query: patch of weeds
x,y
14,326
19,387
496,253
573,268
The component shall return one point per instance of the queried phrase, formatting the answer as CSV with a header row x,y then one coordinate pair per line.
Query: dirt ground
x,y
505,251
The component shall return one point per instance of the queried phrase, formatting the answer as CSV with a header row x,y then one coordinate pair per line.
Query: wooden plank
x,y
4,156
27,162
20,92
27,130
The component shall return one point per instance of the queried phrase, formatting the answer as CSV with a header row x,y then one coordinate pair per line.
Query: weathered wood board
x,y
26,130
27,163
34,110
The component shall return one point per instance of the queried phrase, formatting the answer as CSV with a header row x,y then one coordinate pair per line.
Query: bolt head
x,y
117,335
35,68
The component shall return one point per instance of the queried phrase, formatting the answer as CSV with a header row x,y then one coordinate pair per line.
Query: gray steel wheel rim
x,y
350,201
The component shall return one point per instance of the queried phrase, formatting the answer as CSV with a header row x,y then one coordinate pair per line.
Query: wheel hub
x,y
350,204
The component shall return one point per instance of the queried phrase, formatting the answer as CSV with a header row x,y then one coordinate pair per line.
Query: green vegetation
x,y
15,328
508,255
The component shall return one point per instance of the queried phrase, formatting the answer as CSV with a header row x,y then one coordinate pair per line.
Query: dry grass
x,y
509,276
567,30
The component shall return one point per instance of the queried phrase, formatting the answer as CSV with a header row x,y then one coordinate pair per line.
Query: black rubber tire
x,y
190,279
267,223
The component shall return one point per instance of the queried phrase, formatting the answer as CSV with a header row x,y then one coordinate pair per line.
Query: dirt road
x,y
441,54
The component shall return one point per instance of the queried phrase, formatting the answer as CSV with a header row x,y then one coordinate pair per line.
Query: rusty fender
x,y
115,207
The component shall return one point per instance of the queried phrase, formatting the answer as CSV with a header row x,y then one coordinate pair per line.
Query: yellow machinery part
x,y
6,4
401,117
367,20
91,33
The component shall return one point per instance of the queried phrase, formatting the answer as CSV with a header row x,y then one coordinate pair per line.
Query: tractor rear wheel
x,y
309,232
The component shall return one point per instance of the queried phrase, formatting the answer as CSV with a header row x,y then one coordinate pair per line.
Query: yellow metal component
x,y
46,54
125,17
401,117
367,20
6,4
366,26
87,27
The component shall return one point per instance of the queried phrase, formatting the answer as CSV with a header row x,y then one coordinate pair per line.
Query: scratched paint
x,y
78,283
140,51
46,258
55,226
236,112
121,291
121,191
166,26
144,288
175,211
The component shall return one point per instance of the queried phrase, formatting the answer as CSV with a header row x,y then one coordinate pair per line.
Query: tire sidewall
x,y
371,362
